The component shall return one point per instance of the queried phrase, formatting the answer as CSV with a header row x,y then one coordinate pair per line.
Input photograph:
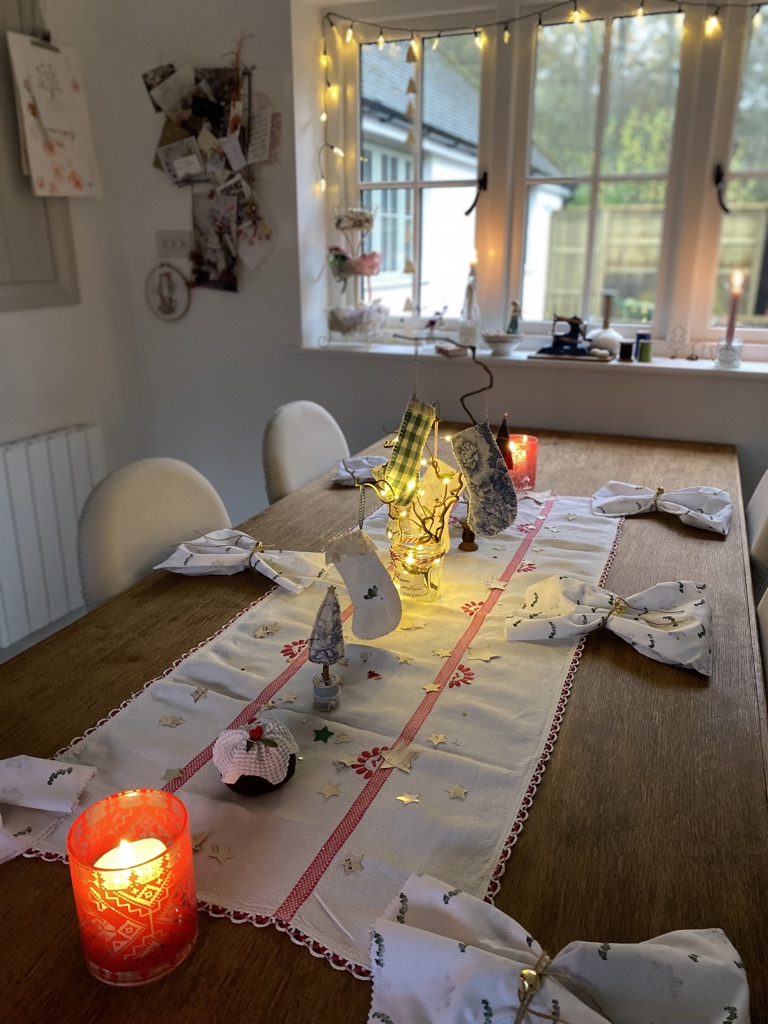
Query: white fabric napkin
x,y
441,956
705,507
357,470
225,552
669,622
34,794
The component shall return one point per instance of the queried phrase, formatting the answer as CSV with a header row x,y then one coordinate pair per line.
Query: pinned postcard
x,y
181,160
50,95
266,127
214,257
233,152
156,77
171,92
255,240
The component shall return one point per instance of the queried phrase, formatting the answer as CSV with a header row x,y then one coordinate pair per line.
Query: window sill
x,y
520,361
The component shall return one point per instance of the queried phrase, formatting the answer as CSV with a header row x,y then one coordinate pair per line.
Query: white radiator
x,y
44,482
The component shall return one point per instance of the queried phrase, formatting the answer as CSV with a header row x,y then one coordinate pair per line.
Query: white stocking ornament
x,y
375,600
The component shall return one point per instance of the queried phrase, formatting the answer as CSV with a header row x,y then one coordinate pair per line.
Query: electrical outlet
x,y
173,245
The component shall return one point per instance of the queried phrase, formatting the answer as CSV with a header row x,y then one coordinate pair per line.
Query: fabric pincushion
x,y
257,758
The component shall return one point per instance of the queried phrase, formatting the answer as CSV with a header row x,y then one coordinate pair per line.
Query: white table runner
x,y
481,713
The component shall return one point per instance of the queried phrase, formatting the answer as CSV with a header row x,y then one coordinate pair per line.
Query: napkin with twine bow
x,y
34,794
441,956
708,508
669,622
225,552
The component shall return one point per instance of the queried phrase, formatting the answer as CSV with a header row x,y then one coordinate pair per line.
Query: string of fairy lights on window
x,y
347,30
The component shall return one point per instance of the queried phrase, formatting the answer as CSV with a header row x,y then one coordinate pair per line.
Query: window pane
x,y
447,248
450,109
384,112
751,139
566,89
555,250
392,238
630,218
642,92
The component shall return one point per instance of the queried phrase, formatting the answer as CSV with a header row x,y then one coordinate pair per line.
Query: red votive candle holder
x,y
524,449
130,858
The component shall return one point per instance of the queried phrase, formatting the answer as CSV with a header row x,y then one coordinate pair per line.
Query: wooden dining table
x,y
652,814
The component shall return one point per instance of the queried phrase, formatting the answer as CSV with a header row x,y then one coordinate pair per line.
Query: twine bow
x,y
529,983
619,607
659,492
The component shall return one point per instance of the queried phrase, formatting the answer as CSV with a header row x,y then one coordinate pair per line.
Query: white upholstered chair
x,y
757,534
135,517
301,442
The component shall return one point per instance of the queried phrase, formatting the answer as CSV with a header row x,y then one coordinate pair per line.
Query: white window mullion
x,y
602,107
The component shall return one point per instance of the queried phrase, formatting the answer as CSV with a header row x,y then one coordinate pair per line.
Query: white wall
x,y
202,389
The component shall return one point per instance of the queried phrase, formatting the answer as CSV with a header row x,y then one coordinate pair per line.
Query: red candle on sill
x,y
130,858
524,450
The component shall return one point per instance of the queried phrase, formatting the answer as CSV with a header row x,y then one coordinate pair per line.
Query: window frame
x,y
709,87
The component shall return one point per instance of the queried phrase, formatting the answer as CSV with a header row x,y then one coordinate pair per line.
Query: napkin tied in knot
x,y
707,508
669,622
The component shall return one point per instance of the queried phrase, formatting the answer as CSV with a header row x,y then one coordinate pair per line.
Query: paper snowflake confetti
x,y
329,789
266,630
437,737
322,735
171,721
220,853
456,792
352,862
408,798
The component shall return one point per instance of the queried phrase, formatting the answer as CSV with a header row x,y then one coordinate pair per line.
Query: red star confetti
x,y
431,688
201,693
171,721
437,737
408,798
266,630
220,853
373,675
171,774
329,789
456,792
352,862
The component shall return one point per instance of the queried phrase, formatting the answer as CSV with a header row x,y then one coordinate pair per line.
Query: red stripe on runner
x,y
308,881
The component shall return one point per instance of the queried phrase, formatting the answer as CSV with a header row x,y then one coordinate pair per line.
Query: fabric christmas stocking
x,y
375,600
396,482
490,492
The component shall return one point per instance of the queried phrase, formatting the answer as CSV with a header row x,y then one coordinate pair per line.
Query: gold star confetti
x,y
201,693
571,516
403,659
480,654
289,698
437,737
456,792
494,584
329,789
342,737
266,630
411,624
399,756
352,862
552,529
443,652
171,774
349,760
431,688
197,841
172,721
220,853
269,706
408,798
537,548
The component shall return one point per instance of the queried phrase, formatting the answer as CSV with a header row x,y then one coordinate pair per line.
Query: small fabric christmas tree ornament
x,y
374,597
397,482
490,492
326,642
502,440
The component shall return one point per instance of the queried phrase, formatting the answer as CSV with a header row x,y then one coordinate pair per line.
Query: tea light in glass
x,y
524,449
130,858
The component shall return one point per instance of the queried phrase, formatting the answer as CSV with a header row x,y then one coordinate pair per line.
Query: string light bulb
x,y
325,60
712,24
679,18
380,41
323,116
576,15
540,27
506,32
414,46
479,38
322,183
757,18
338,150
350,33
639,12
436,41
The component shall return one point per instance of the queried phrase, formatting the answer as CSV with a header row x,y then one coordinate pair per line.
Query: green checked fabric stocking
x,y
375,600
396,482
490,493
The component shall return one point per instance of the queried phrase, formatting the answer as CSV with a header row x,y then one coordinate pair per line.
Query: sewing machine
x,y
567,343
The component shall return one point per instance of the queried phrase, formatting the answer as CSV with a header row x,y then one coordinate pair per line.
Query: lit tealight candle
x,y
123,860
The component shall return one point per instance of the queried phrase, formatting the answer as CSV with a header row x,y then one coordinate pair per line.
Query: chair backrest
x,y
135,517
757,533
301,442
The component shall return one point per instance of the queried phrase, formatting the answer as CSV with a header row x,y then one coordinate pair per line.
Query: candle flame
x,y
737,282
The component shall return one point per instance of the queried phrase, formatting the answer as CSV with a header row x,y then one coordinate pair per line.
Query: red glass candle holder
x,y
137,916
524,449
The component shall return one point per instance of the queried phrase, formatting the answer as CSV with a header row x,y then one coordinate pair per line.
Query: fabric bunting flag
x,y
491,493
396,482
